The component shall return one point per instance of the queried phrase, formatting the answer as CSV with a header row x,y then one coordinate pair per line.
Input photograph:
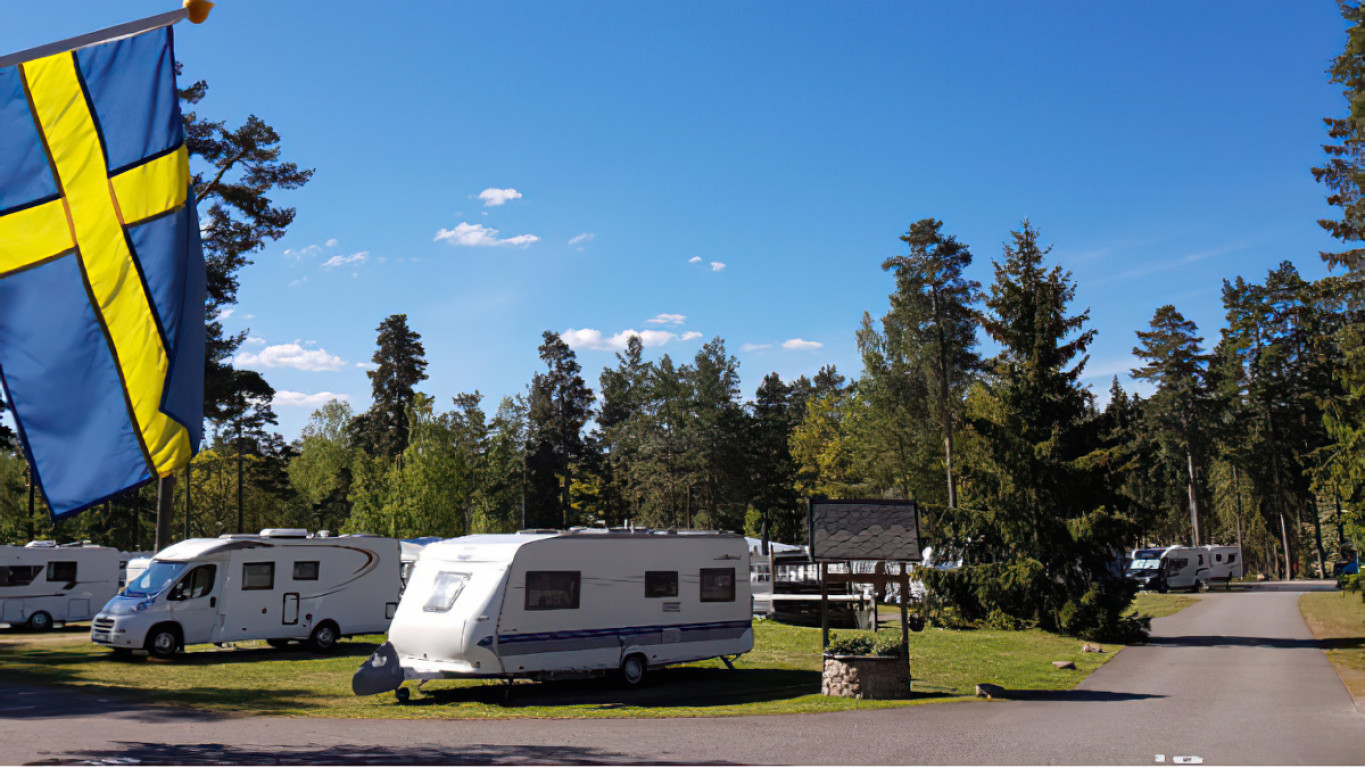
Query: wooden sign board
x,y
864,529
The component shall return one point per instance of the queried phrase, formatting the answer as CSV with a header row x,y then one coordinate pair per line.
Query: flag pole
x,y
195,10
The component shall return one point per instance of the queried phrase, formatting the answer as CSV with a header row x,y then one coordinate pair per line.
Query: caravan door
x,y
194,603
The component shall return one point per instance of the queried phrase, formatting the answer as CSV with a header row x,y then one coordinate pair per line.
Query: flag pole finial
x,y
199,10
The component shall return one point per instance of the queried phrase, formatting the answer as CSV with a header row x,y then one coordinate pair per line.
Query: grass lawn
x,y
1154,605
1338,619
781,675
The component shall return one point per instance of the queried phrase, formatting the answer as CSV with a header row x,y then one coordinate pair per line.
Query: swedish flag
x,y
101,269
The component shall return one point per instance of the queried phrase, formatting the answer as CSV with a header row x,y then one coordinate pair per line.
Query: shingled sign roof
x,y
864,530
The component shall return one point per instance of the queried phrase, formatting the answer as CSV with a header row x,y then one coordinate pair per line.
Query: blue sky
x,y
740,169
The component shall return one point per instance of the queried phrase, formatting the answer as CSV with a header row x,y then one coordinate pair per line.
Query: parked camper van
x,y
280,585
42,583
1193,568
537,604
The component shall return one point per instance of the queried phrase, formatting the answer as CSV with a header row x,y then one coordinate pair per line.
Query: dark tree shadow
x,y
1080,695
1213,641
150,753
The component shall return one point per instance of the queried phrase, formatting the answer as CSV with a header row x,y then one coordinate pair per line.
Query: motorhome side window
x,y
552,590
258,575
306,570
65,571
661,583
198,584
718,585
19,575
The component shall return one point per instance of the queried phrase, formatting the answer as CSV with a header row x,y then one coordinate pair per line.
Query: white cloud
x,y
694,260
583,238
300,281
753,347
801,344
492,196
307,250
337,261
590,338
666,319
254,341
332,242
717,266
224,314
366,366
468,234
290,356
302,399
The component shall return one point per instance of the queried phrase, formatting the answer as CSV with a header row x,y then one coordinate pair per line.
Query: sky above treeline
x,y
740,169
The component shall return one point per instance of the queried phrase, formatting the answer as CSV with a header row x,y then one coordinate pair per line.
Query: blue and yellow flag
x,y
101,269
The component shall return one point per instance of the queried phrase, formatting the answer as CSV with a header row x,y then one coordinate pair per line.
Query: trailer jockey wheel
x,y
633,669
402,694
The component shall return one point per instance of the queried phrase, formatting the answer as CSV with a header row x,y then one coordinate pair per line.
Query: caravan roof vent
x,y
285,533
43,543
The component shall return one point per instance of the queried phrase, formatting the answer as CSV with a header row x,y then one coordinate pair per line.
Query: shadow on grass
x,y
1080,696
1213,641
35,702
151,753
197,656
673,687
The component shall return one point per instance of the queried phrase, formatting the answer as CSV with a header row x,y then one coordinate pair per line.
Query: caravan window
x,y
718,585
258,575
445,591
1232,557
18,575
306,570
552,590
198,584
661,583
64,571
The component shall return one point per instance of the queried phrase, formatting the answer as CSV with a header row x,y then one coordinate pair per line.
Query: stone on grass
x,y
1088,648
1064,664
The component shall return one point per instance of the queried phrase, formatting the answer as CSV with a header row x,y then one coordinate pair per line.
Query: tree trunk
x,y
165,508
188,482
1284,535
1317,533
1194,499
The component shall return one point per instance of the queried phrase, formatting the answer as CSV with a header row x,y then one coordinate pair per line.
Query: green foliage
x,y
865,644
399,366
1101,613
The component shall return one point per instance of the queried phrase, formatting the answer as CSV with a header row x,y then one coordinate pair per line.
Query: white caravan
x,y
1225,563
278,586
42,583
541,604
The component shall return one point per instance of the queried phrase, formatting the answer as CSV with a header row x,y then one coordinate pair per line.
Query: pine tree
x,y
934,304
1177,365
399,365
770,463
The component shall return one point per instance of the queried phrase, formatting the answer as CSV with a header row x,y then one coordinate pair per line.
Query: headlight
x,y
445,590
125,606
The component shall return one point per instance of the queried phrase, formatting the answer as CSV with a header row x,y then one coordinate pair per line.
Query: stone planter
x,y
866,677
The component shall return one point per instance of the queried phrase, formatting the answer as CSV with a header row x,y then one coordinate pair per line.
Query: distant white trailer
x,y
1179,567
278,586
42,583
542,604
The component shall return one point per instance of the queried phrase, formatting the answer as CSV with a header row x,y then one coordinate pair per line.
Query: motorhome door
x,y
291,608
194,603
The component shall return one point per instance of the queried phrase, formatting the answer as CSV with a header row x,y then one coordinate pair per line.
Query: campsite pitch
x,y
780,676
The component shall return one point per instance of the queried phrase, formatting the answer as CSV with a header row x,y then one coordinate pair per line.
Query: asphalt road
x,y
1235,679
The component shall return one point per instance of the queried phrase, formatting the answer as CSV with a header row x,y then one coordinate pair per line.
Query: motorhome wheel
x,y
1200,586
163,641
40,621
633,669
323,637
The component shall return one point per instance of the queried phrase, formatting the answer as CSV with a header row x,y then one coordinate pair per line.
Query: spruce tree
x,y
560,404
770,463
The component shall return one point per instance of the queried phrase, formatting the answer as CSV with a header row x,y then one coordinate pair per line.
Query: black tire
x,y
163,641
1161,586
633,668
324,637
278,642
40,621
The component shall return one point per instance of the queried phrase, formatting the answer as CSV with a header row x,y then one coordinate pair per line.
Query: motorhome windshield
x,y
1144,565
154,579
1147,554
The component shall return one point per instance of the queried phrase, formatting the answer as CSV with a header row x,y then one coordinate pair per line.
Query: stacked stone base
x,y
866,677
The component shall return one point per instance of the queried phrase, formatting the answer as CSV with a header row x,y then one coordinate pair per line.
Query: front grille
x,y
104,623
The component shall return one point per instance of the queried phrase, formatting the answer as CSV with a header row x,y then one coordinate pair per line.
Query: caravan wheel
x,y
324,637
633,669
40,621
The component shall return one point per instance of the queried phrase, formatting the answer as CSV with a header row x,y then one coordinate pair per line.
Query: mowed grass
x,y
781,675
1154,605
1338,619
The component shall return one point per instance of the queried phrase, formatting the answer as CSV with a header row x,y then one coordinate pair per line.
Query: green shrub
x,y
1098,614
864,645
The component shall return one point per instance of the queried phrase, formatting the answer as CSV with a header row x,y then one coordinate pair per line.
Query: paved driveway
x,y
1236,678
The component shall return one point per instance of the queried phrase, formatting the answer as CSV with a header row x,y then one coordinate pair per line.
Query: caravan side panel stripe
x,y
615,637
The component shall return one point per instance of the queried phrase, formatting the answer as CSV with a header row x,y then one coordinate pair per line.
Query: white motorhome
x,y
42,583
540,604
278,586
1192,568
